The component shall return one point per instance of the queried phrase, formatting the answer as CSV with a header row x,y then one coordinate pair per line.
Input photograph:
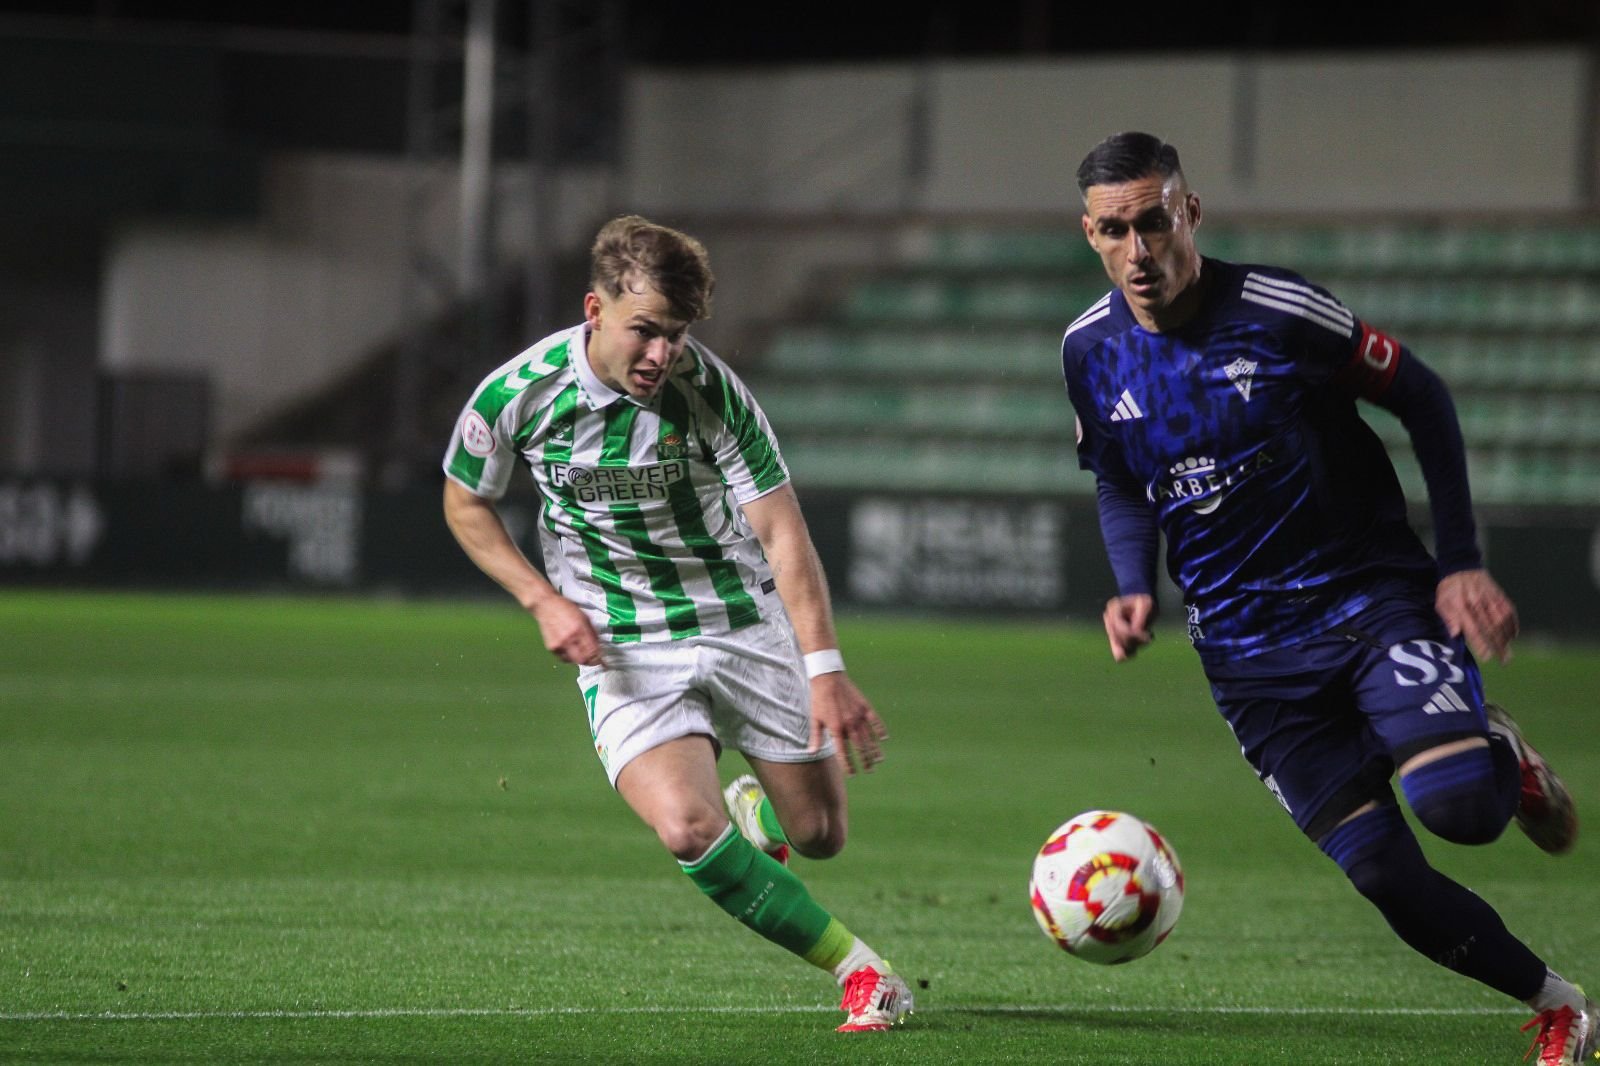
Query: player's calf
x,y
1437,917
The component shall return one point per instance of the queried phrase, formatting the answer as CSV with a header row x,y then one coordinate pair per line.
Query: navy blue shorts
x,y
1325,723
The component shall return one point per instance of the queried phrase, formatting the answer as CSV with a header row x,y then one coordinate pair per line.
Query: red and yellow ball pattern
x,y
1106,887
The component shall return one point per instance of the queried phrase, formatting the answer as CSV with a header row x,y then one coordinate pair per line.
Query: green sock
x,y
764,895
768,820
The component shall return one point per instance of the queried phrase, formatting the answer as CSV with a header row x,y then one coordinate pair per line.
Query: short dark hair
x,y
673,263
1127,157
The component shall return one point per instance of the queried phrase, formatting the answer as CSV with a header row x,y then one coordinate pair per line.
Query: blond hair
x,y
630,250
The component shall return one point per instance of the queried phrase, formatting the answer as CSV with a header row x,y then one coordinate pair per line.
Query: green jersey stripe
x,y
616,449
620,607
755,446
682,619
557,447
557,428
498,393
691,522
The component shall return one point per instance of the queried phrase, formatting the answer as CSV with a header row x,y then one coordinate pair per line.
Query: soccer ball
x,y
1106,887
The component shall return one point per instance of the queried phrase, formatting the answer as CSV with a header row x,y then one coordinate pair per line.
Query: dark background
x,y
664,33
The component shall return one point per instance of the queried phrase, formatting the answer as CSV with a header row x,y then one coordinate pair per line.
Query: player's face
x,y
1143,231
634,341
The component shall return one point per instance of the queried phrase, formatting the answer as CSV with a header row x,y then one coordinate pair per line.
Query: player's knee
x,y
1457,798
1377,882
1462,818
1377,853
689,834
819,836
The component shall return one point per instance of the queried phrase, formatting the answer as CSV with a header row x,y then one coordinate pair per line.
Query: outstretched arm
x,y
837,707
482,535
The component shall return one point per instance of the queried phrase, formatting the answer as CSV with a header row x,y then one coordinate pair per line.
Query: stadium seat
x,y
945,368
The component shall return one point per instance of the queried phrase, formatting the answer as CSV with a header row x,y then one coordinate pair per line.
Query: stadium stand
x,y
942,371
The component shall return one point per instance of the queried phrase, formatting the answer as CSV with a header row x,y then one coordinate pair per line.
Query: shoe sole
x,y
1556,830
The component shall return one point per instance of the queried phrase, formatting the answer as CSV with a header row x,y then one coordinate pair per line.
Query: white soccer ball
x,y
1106,887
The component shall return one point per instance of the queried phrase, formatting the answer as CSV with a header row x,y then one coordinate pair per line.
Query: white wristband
x,y
824,662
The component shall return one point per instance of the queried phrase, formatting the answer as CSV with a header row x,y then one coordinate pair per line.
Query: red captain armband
x,y
1373,364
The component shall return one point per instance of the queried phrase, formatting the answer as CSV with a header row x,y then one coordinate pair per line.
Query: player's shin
x,y
1433,914
767,897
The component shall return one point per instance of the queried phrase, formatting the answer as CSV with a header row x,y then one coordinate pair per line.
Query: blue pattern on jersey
x,y
1277,502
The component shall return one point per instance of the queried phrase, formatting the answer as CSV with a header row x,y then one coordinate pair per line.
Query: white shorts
x,y
746,690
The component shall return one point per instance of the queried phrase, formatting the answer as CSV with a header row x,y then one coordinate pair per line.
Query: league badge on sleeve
x,y
476,436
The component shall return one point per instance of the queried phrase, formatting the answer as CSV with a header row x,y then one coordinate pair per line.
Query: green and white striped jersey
x,y
640,525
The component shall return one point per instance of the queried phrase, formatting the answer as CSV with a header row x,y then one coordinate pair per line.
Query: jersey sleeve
x,y
742,441
1362,361
1096,450
482,455
479,456
1332,344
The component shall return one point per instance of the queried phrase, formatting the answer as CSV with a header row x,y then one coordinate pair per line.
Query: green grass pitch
x,y
321,831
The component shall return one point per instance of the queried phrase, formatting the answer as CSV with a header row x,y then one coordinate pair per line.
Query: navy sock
x,y
1468,797
1433,914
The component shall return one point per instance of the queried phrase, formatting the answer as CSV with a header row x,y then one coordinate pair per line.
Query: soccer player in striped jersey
x,y
683,583
1216,406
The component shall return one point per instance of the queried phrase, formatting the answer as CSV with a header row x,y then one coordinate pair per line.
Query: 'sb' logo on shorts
x,y
1431,663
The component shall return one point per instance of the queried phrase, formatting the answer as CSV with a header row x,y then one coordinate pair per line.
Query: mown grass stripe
x,y
536,1012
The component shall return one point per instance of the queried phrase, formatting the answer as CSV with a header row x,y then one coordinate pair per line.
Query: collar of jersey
x,y
596,393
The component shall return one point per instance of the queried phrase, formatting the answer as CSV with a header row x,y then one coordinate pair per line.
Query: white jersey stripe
x,y
1300,293
1343,329
1322,307
1100,309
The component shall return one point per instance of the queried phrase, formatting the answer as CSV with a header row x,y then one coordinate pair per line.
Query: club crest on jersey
x,y
1240,372
672,446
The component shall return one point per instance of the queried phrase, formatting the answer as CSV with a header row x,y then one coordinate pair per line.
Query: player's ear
x,y
1088,229
1192,204
591,309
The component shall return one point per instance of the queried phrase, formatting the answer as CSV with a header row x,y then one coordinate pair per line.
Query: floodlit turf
x,y
321,831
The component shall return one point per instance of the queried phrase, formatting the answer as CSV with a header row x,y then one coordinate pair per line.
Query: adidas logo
x,y
1445,701
1126,409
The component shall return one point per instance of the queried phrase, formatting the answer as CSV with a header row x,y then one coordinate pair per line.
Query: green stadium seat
x,y
954,355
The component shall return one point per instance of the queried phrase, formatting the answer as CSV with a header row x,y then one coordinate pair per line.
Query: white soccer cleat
x,y
1566,1037
874,1000
1545,811
743,797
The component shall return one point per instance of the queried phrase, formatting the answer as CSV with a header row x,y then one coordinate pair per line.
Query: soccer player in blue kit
x,y
1216,406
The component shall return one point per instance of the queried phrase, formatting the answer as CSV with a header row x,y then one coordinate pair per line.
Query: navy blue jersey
x,y
1239,429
